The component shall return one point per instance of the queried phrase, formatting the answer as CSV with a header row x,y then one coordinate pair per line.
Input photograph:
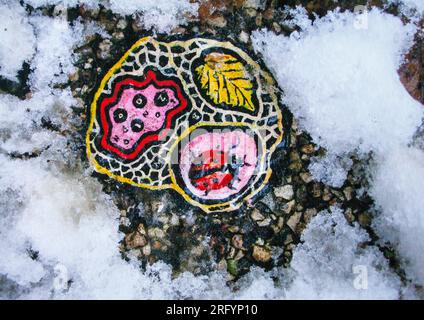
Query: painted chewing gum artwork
x,y
199,116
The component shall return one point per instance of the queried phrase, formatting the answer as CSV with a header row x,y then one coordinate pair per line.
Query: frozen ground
x,y
339,75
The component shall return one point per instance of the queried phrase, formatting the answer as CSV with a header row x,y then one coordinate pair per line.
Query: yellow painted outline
x,y
226,206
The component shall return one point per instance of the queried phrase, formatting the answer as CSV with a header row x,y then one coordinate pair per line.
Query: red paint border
x,y
150,77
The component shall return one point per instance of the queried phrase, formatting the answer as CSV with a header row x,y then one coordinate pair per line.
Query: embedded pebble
x,y
348,191
122,24
174,221
156,233
285,192
256,215
217,20
237,241
135,240
306,177
146,250
104,49
308,149
288,207
244,37
261,254
142,229
364,219
265,222
326,194
309,214
294,220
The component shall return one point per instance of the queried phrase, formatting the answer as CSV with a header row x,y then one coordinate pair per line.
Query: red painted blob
x,y
210,173
137,112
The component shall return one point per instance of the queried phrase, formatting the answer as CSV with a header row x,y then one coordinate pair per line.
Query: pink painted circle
x,y
216,165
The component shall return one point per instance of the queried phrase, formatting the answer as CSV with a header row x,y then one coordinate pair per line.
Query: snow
x,y
57,224
341,82
159,15
17,36
57,53
418,4
411,9
64,3
330,169
18,119
413,4
398,188
72,224
327,265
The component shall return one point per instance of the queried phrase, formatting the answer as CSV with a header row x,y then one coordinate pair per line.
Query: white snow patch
x,y
64,3
330,263
398,189
255,4
56,40
161,15
341,82
17,39
299,18
330,169
411,4
72,225
411,9
20,122
418,4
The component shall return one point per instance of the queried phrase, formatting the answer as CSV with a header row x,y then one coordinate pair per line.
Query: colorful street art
x,y
198,116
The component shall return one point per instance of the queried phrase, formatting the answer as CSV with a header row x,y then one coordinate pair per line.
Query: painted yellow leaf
x,y
225,80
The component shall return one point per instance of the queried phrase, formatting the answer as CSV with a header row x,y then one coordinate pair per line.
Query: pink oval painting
x,y
216,165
